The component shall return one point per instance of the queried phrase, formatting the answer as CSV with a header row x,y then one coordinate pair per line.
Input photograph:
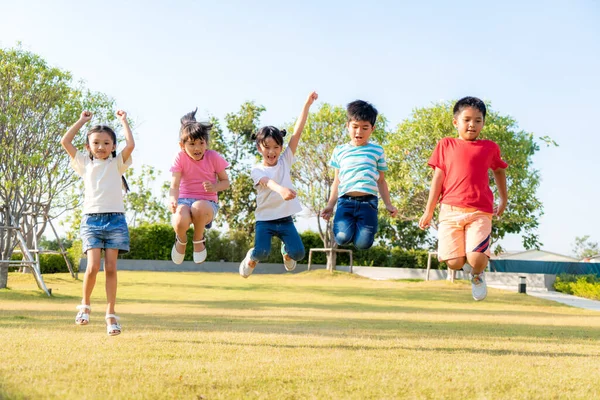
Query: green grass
x,y
305,336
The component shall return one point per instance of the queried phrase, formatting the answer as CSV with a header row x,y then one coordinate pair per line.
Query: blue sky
x,y
537,61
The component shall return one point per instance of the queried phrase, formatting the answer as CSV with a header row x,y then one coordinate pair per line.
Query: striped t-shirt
x,y
359,167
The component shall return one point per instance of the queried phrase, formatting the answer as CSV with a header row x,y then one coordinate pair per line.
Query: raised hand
x,y
85,116
312,98
122,115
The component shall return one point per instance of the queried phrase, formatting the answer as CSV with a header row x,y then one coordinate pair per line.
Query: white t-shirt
x,y
102,181
269,204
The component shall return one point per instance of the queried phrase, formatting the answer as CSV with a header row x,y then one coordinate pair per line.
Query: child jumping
x,y
103,225
359,175
197,175
461,184
276,200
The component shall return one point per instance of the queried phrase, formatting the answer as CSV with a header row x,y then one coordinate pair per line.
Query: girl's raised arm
x,y
129,142
299,127
67,139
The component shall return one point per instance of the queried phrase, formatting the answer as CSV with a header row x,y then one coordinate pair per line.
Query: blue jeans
x,y
104,231
285,230
355,221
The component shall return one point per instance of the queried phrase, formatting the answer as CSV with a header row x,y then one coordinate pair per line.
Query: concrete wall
x,y
498,279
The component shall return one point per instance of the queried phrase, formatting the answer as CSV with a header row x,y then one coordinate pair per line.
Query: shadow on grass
x,y
293,324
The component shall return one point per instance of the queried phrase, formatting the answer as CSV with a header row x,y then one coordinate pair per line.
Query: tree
x,y
38,103
312,175
141,205
236,145
584,247
411,144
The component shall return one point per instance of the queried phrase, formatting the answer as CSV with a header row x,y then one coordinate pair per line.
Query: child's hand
x,y
122,115
425,221
172,204
392,210
327,212
499,209
209,187
85,116
287,194
311,98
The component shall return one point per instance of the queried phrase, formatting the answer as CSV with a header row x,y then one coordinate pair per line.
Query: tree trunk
x,y
331,261
3,275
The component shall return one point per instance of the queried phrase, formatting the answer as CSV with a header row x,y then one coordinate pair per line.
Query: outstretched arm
x,y
299,127
434,195
500,178
67,139
129,142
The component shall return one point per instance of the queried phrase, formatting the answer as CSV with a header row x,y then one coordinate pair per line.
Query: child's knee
x,y
365,238
297,254
260,254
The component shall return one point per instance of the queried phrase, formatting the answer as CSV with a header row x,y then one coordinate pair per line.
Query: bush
x,y
587,286
49,263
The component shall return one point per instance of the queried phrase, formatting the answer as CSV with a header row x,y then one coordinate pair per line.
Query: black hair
x,y
269,132
360,110
113,136
192,129
469,101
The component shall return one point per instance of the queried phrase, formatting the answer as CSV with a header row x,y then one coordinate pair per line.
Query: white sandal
x,y
83,316
200,256
176,256
112,329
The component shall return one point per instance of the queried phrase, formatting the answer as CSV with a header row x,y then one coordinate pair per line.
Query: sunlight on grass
x,y
311,335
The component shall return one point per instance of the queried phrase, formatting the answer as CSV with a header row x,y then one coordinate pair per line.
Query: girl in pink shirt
x,y
198,174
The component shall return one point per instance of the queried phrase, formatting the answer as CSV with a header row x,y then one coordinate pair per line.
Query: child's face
x,y
469,123
194,148
270,151
360,132
101,145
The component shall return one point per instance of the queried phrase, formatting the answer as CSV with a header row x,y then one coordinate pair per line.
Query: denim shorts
x,y
104,231
186,201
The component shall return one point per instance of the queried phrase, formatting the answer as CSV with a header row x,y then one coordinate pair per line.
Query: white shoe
x,y
176,256
245,269
290,264
200,256
478,286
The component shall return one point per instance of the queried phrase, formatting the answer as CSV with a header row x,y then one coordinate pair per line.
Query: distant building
x,y
594,259
535,255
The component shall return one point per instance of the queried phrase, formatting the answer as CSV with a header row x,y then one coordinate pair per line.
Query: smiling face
x,y
469,123
360,132
270,151
100,145
194,148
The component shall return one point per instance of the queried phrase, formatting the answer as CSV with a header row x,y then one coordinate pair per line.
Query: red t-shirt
x,y
466,164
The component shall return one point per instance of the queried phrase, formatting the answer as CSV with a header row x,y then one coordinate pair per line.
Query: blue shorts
x,y
104,231
186,201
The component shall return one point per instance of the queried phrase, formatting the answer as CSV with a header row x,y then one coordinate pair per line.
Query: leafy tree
x,y
38,104
238,202
312,175
584,247
141,205
411,144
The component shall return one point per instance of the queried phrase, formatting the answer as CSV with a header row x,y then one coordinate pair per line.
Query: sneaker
x,y
245,269
478,286
290,264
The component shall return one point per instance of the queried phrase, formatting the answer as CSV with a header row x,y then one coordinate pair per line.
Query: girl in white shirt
x,y
103,225
276,200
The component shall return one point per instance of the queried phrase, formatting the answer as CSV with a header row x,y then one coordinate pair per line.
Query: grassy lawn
x,y
306,336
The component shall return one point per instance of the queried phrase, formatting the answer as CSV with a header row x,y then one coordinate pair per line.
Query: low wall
x,y
498,279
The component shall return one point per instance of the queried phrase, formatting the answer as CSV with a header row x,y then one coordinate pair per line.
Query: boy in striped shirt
x,y
359,175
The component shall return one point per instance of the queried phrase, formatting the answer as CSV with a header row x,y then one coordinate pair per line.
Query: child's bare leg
x,y
181,223
110,271
478,261
456,263
202,214
89,279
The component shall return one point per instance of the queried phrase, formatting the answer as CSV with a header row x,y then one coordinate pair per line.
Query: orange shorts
x,y
462,231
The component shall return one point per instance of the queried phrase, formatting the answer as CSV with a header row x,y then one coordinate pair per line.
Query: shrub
x,y
587,286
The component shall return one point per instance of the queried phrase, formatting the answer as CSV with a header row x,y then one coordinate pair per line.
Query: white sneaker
x,y
478,286
245,269
290,264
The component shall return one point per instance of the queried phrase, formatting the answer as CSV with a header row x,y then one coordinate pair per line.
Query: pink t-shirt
x,y
466,165
194,173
